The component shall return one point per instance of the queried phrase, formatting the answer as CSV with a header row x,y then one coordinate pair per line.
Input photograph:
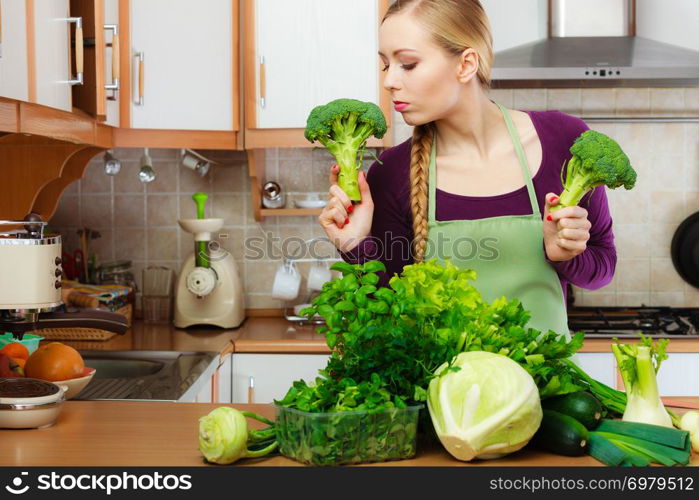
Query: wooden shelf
x,y
288,212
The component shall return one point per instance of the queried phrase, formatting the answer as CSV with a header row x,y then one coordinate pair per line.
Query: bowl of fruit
x,y
54,362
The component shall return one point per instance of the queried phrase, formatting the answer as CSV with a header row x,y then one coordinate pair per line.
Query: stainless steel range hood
x,y
568,59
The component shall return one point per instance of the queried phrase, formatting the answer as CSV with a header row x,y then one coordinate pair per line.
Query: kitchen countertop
x,y
268,335
117,433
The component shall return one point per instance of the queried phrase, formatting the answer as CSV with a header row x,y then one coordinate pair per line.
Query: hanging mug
x,y
318,275
287,282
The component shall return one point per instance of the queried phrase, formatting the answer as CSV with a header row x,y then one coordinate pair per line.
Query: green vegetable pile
x,y
389,346
427,315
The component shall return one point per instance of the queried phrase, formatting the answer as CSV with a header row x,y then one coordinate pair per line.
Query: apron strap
x,y
519,150
432,181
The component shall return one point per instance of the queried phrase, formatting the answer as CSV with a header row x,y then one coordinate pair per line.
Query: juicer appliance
x,y
209,290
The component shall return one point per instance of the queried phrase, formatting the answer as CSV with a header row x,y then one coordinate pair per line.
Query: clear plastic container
x,y
348,437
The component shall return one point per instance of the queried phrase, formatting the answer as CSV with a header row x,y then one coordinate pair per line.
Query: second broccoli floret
x,y
597,160
343,126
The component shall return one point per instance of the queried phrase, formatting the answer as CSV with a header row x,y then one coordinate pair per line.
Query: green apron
x,y
507,252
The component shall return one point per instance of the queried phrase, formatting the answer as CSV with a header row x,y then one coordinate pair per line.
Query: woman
x,y
476,181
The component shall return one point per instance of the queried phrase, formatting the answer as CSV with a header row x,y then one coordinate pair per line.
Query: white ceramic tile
x,y
565,100
633,275
670,299
667,101
598,102
664,277
632,240
632,101
530,99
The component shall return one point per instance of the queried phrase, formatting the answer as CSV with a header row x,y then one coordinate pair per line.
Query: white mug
x,y
287,282
318,274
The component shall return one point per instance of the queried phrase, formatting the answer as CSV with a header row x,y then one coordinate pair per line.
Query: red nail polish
x,y
553,199
350,209
548,217
346,222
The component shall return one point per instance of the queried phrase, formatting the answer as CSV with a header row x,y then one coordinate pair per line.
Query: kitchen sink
x,y
143,375
123,368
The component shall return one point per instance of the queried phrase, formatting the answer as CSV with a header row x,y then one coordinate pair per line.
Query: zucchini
x,y
582,406
562,434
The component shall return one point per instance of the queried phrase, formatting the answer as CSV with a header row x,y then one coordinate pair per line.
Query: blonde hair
x,y
455,25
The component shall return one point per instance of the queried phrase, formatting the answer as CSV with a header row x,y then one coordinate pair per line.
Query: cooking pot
x,y
684,249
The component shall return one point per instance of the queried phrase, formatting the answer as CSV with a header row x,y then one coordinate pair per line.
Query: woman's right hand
x,y
346,224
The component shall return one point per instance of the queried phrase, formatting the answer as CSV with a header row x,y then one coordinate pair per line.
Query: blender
x,y
209,290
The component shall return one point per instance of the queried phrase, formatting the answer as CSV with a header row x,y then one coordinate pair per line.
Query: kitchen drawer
x,y
272,374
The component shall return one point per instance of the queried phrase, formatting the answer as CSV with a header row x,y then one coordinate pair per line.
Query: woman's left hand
x,y
566,230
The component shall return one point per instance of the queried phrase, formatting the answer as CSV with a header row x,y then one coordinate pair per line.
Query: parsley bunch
x,y
398,336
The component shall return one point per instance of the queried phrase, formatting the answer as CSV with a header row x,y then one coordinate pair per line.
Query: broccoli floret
x,y
597,160
343,126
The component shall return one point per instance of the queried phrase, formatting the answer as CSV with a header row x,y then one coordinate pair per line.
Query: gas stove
x,y
627,322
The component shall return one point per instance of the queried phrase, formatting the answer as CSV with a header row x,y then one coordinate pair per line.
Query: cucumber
x,y
562,434
582,406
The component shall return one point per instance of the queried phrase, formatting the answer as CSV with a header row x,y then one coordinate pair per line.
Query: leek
x,y
619,443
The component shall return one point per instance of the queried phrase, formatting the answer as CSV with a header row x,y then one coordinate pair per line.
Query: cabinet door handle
x,y
263,83
78,80
114,86
251,390
141,66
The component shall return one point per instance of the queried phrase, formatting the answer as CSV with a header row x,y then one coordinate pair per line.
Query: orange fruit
x,y
21,362
15,350
54,361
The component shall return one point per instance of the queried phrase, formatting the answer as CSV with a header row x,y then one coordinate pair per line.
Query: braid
x,y
419,167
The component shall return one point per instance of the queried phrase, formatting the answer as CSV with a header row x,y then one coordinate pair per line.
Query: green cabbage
x,y
483,405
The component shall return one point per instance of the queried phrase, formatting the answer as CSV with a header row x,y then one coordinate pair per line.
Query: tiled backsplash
x,y
139,222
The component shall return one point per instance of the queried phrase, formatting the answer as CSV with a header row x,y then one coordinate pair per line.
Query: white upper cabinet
x,y
516,22
308,52
182,64
13,50
673,22
111,20
52,64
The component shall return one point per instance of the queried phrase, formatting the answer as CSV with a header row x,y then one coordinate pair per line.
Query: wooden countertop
x,y
118,433
267,335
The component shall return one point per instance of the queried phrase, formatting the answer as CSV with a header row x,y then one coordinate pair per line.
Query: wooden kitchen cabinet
x,y
679,374
111,67
100,19
261,378
182,64
217,388
599,365
14,59
52,54
301,53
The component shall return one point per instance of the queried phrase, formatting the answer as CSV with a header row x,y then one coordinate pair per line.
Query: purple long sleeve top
x,y
392,229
